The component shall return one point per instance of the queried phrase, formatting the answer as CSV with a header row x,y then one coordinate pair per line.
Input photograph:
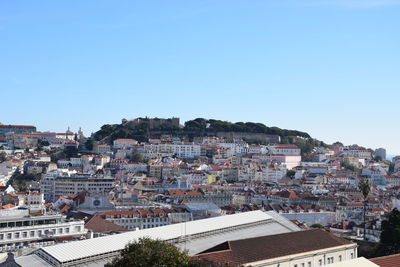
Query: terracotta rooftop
x,y
287,194
98,225
387,261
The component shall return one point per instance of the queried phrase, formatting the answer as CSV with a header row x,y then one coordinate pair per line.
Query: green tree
x,y
316,225
147,252
390,236
19,180
3,156
347,166
136,157
290,173
89,144
365,188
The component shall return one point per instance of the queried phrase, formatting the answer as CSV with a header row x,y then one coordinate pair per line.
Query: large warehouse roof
x,y
195,236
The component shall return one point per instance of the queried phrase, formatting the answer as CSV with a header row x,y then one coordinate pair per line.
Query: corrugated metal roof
x,y
31,261
102,245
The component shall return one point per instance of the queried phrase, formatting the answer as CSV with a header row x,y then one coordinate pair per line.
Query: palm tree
x,y
365,188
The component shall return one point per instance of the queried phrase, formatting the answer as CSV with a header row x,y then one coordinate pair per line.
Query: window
x,y
351,255
309,264
340,257
24,234
1,236
320,262
32,233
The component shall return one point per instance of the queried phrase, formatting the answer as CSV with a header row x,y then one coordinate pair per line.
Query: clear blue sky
x,y
328,67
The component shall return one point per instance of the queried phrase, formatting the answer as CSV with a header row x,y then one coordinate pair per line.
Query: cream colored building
x,y
308,248
314,258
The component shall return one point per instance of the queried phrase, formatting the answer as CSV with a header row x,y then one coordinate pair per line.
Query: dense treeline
x,y
305,144
197,127
203,125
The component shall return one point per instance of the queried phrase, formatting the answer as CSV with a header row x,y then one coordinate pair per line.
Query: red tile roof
x,y
98,225
387,261
7,206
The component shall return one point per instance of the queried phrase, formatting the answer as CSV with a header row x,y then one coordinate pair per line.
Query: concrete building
x,y
137,219
18,229
16,128
358,153
54,184
123,143
284,149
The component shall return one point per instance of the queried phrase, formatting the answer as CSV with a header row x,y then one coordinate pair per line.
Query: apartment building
x,y
180,149
284,149
18,228
123,143
54,184
16,128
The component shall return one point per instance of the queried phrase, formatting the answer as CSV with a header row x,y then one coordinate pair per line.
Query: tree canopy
x,y
147,252
390,236
3,156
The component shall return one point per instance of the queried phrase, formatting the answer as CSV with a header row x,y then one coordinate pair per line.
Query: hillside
x,y
142,129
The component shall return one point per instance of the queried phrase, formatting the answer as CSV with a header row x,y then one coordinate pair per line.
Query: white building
x,y
123,143
54,184
18,229
358,153
180,149
284,149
